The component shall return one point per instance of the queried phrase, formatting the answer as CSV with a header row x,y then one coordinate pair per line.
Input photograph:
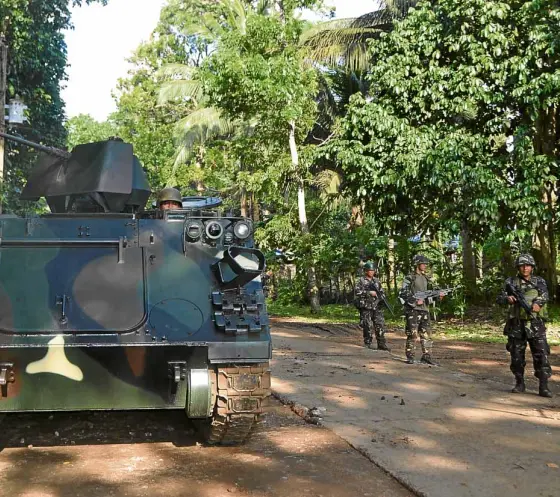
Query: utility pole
x,y
3,91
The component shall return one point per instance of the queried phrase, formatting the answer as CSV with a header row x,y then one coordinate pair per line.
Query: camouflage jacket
x,y
535,291
413,283
362,298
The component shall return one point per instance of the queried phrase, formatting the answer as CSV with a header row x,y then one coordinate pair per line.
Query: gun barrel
x,y
37,146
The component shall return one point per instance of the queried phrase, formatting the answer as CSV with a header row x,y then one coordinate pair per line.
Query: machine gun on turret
x,y
56,152
103,176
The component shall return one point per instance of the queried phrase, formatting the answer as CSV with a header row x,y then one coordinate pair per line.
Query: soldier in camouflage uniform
x,y
522,327
417,316
367,301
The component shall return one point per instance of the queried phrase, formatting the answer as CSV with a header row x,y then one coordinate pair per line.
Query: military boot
x,y
519,384
410,359
369,345
382,345
543,388
427,359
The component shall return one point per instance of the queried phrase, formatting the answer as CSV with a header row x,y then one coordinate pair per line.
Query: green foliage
x,y
36,68
258,75
85,129
145,123
460,120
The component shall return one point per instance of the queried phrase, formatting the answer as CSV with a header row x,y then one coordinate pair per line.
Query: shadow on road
x,y
62,429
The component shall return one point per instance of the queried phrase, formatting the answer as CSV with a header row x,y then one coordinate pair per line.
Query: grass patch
x,y
474,332
468,332
446,329
333,313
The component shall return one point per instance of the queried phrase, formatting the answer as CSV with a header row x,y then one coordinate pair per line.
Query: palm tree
x,y
343,42
203,123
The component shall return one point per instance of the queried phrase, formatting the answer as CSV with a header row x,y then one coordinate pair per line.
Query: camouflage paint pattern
x,y
96,308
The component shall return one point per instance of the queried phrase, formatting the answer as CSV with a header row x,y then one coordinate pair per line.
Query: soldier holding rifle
x,y
526,296
368,295
415,294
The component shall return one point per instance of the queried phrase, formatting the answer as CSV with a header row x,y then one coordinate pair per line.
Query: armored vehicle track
x,y
239,394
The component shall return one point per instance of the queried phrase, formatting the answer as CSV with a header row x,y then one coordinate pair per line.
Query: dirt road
x,y
150,454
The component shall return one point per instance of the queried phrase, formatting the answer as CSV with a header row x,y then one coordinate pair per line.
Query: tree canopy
x,y
459,125
444,138
33,32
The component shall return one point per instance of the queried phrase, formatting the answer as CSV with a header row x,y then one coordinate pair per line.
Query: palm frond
x,y
200,126
328,182
206,117
353,56
186,89
181,71
344,41
236,15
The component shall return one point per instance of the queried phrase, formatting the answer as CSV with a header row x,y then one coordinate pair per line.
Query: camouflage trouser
x,y
372,320
417,322
535,334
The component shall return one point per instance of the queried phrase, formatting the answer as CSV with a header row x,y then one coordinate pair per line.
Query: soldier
x,y
169,198
522,327
367,301
417,316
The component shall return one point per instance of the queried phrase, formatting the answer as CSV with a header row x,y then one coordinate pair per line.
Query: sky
x,y
104,37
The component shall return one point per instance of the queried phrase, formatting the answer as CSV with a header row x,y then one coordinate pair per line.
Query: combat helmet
x,y
169,195
370,266
420,259
525,259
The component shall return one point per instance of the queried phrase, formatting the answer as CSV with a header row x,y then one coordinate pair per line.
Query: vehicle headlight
x,y
214,230
242,230
193,231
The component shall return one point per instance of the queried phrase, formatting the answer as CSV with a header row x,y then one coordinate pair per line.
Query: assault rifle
x,y
383,298
520,298
429,295
380,295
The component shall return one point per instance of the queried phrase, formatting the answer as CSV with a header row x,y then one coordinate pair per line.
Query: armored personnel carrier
x,y
104,305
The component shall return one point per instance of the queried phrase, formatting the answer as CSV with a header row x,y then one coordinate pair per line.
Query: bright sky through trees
x,y
105,36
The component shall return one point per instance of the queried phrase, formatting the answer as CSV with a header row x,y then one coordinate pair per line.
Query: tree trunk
x,y
244,203
469,265
479,263
392,276
255,208
312,287
544,248
545,143
508,264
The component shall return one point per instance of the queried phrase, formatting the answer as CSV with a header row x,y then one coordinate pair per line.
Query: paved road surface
x,y
441,431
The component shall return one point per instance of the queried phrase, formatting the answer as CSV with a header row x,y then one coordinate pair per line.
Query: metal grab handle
x,y
62,300
50,242
121,243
